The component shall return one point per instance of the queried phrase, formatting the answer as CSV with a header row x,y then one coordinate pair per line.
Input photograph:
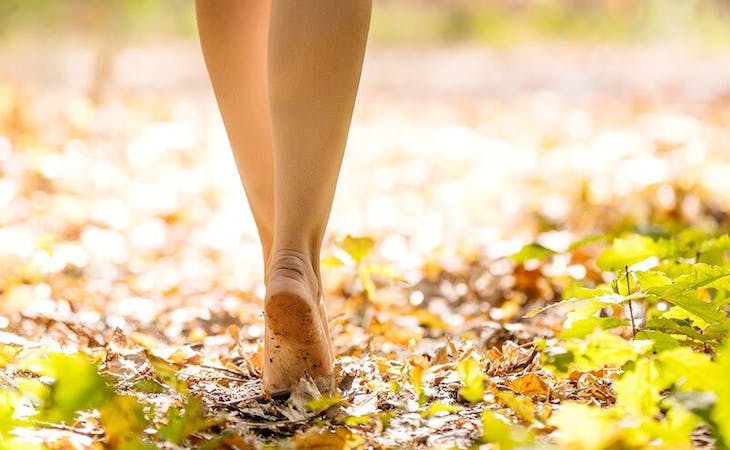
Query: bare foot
x,y
297,337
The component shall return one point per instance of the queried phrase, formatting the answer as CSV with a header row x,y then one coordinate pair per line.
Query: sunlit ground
x,y
124,210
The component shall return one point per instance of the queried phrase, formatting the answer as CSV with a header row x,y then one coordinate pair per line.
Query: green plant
x,y
660,319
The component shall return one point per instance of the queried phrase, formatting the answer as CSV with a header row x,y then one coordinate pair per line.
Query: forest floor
x,y
124,235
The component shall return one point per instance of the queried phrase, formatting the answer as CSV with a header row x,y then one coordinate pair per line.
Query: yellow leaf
x,y
586,428
437,407
324,403
416,376
522,406
324,439
472,377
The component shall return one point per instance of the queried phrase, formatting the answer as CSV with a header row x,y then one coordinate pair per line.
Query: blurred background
x,y
479,126
402,21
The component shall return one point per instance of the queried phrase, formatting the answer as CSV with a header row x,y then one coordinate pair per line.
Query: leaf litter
x,y
129,270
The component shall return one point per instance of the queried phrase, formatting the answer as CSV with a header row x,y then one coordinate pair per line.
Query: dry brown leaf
x,y
529,384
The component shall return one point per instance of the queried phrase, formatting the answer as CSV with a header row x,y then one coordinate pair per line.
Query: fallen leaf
x,y
528,384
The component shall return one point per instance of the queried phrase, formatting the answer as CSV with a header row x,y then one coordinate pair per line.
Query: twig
x,y
234,402
80,332
217,377
58,426
275,423
240,375
631,308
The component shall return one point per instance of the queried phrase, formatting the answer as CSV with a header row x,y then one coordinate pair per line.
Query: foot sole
x,y
297,344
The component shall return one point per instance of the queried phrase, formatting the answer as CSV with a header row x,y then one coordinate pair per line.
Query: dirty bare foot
x,y
297,336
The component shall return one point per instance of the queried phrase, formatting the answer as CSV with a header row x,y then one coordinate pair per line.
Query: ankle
x,y
293,264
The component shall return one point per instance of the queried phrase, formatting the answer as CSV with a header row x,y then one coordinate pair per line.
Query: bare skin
x,y
285,75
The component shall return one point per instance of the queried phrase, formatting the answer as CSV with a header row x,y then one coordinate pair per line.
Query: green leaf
x,y
674,431
676,327
385,417
148,385
496,430
719,385
581,293
357,420
472,379
683,291
717,331
662,341
587,240
77,386
590,304
557,360
167,373
702,405
8,400
520,404
584,327
532,251
124,423
718,244
688,369
707,392
629,250
676,312
637,391
602,349
689,240
393,385
180,426
649,279
586,427
324,403
701,274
